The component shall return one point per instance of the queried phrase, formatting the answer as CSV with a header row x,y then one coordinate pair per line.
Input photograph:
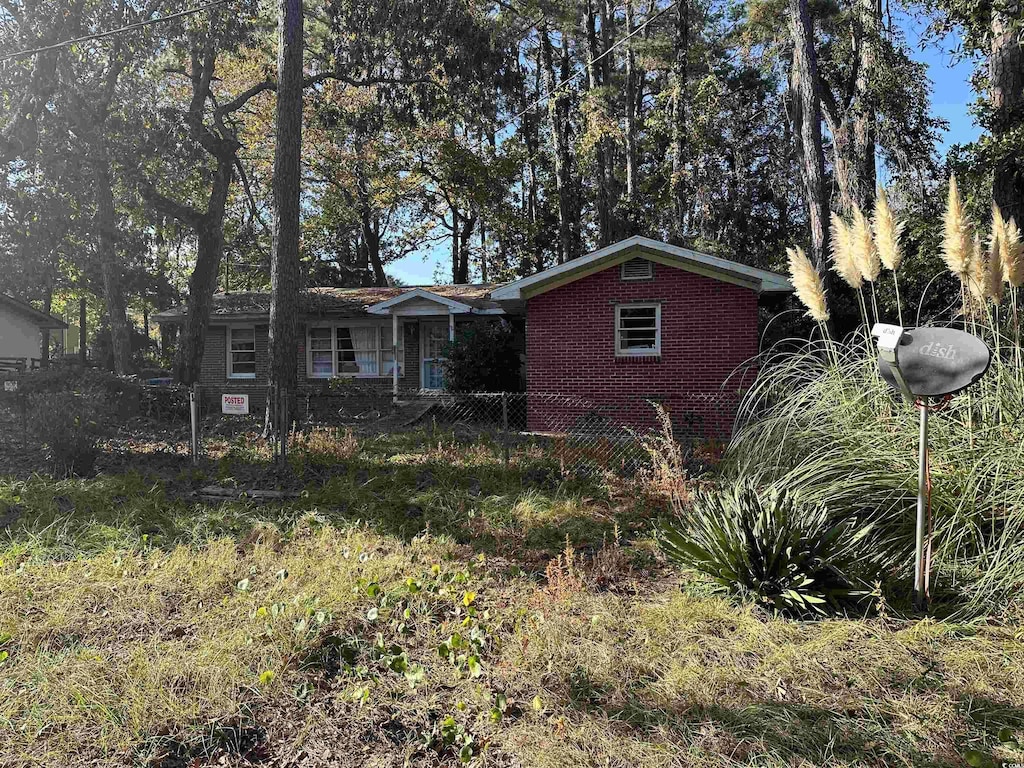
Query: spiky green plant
x,y
791,556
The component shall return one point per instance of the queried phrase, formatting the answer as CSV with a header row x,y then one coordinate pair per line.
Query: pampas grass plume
x,y
864,247
1013,249
994,269
977,280
887,232
807,284
957,241
843,262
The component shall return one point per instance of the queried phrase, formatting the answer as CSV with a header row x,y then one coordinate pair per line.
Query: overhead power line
x,y
111,32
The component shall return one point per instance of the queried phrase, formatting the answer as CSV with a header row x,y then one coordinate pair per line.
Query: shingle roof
x,y
336,302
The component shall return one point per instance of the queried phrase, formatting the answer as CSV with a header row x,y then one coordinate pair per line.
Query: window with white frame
x,y
638,329
242,353
352,350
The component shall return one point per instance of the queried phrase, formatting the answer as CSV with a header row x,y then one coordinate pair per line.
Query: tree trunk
x,y
201,285
371,259
630,107
806,112
565,246
865,116
468,225
456,261
844,164
604,236
81,331
680,73
44,344
607,143
1006,77
483,251
106,230
284,269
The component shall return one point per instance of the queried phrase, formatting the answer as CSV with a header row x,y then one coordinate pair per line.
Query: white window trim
x,y
656,352
230,363
648,276
399,348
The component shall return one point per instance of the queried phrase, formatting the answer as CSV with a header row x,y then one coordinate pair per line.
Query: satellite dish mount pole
x,y
923,506
889,337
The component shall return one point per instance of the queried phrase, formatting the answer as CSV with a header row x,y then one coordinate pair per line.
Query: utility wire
x,y
111,32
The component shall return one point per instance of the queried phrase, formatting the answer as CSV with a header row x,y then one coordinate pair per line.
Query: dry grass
x,y
140,628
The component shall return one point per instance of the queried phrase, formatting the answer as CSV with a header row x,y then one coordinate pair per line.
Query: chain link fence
x,y
583,434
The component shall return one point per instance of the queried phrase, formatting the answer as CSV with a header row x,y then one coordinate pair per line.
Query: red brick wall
x,y
708,328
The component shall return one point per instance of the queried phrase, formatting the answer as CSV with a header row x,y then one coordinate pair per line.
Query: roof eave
x,y
42,320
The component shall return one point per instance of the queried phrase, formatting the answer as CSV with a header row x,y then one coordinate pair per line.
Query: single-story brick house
x,y
634,321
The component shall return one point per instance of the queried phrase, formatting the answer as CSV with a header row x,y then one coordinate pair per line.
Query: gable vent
x,y
637,269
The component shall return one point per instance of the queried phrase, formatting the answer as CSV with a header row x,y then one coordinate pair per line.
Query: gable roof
x,y
759,280
25,309
321,301
421,294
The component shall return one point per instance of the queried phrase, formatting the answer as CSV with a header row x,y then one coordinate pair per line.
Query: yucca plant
x,y
791,556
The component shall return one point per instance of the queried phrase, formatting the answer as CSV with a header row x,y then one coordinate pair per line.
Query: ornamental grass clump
x,y
820,423
792,557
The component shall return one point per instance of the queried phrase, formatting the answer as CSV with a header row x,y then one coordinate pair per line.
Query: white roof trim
x,y
763,281
384,307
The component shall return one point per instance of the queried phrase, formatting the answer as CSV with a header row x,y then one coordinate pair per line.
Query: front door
x,y
433,338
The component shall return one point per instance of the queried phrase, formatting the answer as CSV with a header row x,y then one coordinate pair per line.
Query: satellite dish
x,y
937,361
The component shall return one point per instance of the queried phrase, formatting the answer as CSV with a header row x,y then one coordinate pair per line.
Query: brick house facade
x,y
707,330
635,322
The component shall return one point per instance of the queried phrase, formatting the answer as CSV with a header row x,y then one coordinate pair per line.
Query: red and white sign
x,y
234,404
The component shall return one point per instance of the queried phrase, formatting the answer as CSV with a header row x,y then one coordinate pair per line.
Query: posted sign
x,y
10,385
234,404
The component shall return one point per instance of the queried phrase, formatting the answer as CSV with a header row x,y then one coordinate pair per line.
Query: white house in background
x,y
21,327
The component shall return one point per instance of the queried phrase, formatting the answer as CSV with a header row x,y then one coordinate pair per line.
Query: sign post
x,y
927,366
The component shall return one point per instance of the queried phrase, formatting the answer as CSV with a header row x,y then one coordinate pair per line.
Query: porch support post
x,y
451,325
394,351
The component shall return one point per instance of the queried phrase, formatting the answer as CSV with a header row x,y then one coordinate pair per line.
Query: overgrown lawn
x,y
420,603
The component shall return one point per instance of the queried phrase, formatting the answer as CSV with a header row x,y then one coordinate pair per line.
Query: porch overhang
x,y
418,302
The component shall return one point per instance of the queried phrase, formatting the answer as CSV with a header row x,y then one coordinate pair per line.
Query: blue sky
x,y
951,100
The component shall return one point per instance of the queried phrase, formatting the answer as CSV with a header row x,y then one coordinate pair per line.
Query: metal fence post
x,y
504,427
193,410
